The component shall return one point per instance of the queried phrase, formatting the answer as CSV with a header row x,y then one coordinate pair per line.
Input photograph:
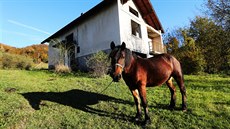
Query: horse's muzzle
x,y
117,78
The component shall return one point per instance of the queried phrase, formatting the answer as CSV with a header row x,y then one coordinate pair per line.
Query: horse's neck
x,y
132,65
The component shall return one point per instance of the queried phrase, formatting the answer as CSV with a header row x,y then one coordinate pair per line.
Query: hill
x,y
38,52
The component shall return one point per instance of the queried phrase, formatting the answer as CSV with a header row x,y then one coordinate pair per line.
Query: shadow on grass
x,y
77,99
165,107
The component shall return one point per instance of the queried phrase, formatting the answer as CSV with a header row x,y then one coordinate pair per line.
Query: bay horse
x,y
139,73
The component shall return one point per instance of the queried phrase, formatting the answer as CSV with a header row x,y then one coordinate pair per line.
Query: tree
x,y
172,45
188,53
219,10
213,42
64,50
207,38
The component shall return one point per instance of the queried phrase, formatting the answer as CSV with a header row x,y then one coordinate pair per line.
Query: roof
x,y
149,14
144,6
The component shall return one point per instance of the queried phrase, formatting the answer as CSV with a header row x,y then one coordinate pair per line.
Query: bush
x,y
12,61
60,68
98,64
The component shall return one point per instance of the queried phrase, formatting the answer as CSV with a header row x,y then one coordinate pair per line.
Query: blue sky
x,y
27,22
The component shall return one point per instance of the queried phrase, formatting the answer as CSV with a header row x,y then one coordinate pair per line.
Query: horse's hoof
x,y
146,122
137,120
184,110
171,107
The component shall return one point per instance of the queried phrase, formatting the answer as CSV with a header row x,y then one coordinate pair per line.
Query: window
x,y
136,29
69,38
133,11
78,49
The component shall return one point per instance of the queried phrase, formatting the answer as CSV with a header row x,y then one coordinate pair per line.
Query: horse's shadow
x,y
77,99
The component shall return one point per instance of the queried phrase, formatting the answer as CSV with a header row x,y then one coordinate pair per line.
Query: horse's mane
x,y
129,54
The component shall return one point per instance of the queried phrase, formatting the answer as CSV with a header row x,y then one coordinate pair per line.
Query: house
x,y
131,21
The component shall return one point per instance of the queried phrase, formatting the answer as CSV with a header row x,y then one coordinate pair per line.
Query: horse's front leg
x,y
137,100
142,91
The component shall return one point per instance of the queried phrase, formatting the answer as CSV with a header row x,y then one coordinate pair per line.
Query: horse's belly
x,y
157,81
154,84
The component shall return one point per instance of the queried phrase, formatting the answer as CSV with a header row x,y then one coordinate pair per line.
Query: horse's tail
x,y
177,68
179,77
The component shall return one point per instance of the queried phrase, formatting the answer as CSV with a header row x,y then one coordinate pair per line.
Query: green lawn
x,y
42,99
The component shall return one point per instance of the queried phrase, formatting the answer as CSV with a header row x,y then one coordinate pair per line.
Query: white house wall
x,y
97,33
134,43
94,34
54,55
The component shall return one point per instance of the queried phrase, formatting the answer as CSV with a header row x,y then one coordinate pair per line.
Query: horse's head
x,y
119,60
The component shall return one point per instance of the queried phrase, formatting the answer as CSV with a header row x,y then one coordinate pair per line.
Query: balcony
x,y
156,48
156,45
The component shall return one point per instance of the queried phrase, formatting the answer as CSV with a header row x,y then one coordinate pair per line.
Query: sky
x,y
27,22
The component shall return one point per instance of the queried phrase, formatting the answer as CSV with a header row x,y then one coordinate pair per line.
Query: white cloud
x,y
28,27
27,36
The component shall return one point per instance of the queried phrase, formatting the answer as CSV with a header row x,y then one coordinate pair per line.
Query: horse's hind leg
x,y
180,81
172,89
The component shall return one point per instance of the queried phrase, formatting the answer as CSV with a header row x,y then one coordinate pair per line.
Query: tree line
x,y
204,45
39,52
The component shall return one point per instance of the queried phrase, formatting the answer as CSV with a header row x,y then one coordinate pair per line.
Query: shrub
x,y
13,61
60,68
98,64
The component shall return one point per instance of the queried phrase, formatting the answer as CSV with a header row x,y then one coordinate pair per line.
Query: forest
x,y
204,45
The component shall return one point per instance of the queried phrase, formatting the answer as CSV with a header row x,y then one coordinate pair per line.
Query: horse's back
x,y
161,67
170,60
157,69
164,56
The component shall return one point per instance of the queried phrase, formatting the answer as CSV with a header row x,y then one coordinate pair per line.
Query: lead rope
x,y
106,87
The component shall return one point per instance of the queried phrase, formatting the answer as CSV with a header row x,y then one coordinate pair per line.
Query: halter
x,y
117,64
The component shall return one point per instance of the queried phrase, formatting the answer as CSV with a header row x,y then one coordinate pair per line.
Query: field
x,y
42,99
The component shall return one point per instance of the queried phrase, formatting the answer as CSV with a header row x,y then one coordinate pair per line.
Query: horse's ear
x,y
123,46
112,45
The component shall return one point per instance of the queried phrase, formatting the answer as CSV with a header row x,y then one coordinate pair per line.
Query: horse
x,y
139,73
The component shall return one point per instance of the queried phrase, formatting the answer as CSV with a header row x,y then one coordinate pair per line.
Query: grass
x,y
42,99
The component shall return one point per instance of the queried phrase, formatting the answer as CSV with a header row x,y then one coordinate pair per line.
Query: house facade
x,y
131,21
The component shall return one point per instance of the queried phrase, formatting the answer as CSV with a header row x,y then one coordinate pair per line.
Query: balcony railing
x,y
156,48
